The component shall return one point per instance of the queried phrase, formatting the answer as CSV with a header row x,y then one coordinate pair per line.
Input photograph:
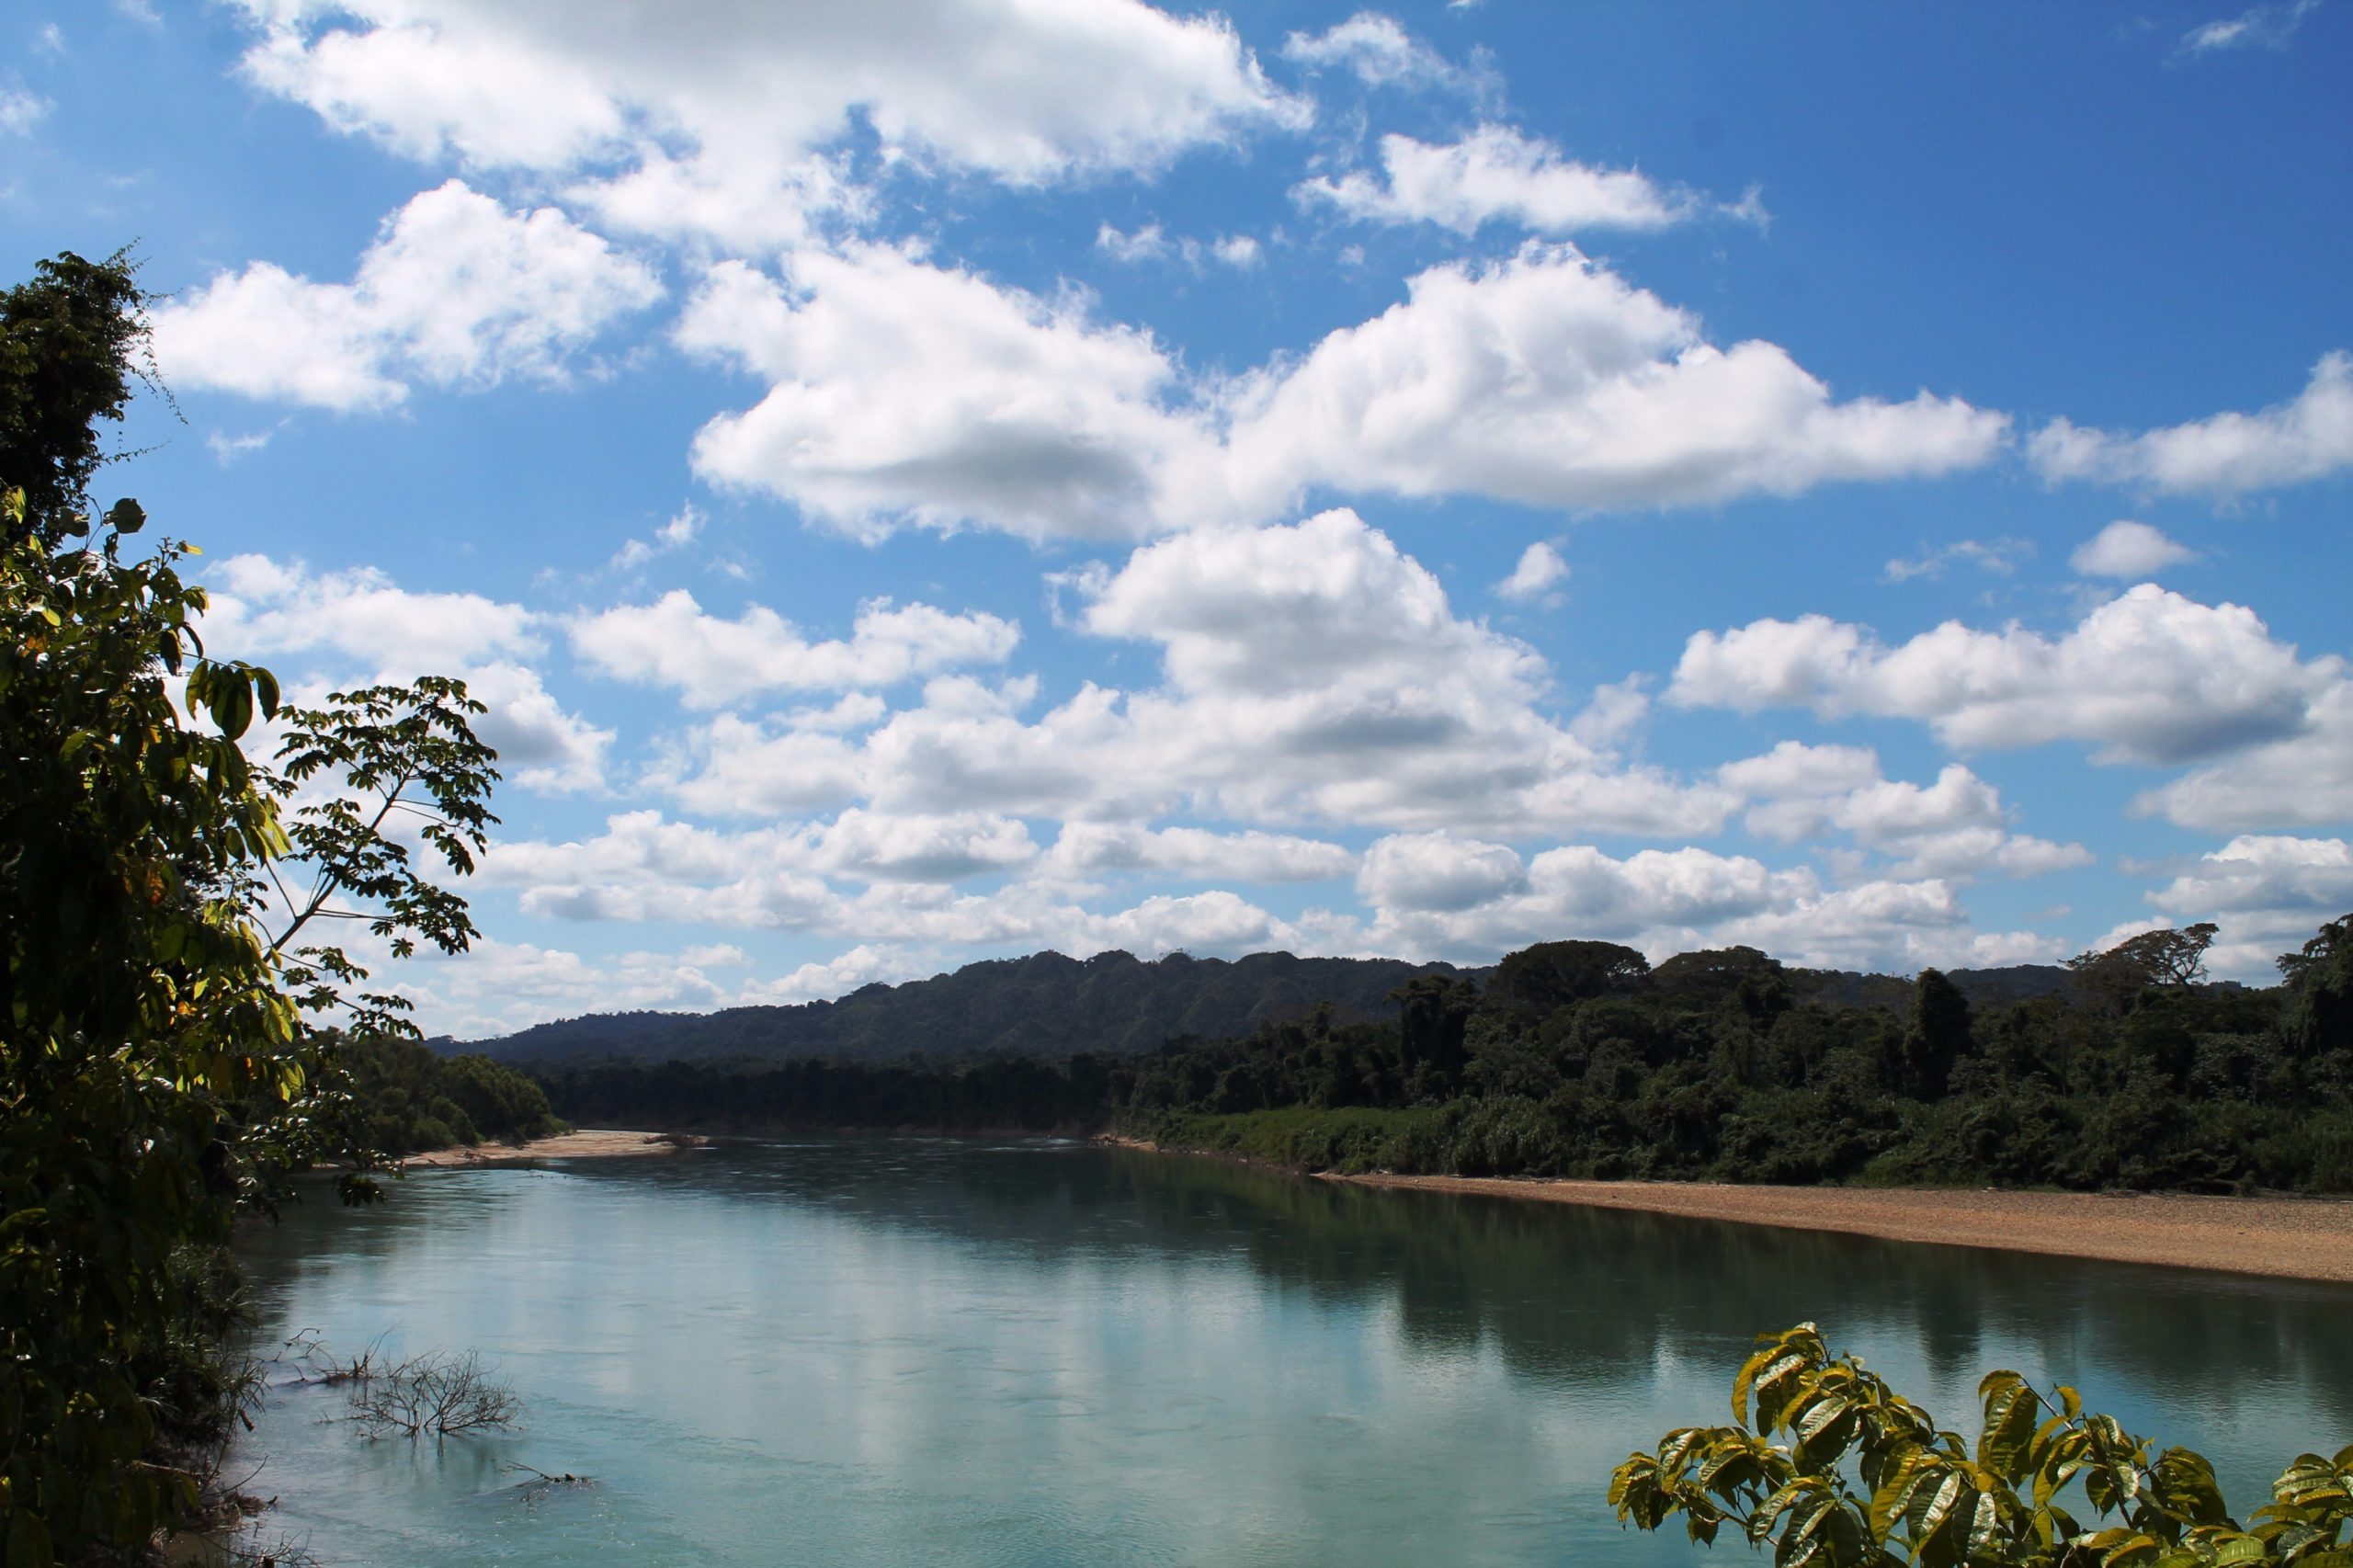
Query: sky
x,y
944,480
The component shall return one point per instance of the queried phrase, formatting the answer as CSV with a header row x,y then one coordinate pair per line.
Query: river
x,y
898,1351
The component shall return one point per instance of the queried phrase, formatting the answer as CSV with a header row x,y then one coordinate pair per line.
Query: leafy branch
x,y
1866,1479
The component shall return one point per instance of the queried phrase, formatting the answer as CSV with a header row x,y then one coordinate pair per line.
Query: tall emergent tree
x,y
161,896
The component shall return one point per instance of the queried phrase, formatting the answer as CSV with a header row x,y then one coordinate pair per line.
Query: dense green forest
x,y
404,1097
1580,1059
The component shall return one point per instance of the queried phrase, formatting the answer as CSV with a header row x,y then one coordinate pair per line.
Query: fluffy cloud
x,y
2302,780
2148,676
2127,549
1548,381
362,622
1438,871
714,663
862,965
735,767
903,391
2268,894
1793,769
643,867
1312,673
713,117
539,745
876,846
457,292
2227,455
1440,895
1888,926
1495,173
498,987
260,606
1531,582
1083,848
1377,50
1315,672
1951,830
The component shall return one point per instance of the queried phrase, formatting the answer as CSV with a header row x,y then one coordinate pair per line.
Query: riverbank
x,y
2291,1238
587,1144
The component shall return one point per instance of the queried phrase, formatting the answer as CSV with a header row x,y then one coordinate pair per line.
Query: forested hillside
x,y
1579,1059
1110,1005
1044,1005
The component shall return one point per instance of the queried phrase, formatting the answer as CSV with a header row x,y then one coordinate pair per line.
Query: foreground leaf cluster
x,y
1827,1465
163,895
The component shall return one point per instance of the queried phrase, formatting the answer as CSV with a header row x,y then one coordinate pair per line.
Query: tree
x,y
1538,980
2165,956
156,1061
1712,974
1928,1496
2319,976
72,343
1432,1014
1936,1037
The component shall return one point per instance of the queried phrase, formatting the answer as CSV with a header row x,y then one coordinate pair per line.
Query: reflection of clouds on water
x,y
910,1348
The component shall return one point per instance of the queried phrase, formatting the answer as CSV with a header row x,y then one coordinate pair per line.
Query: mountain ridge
x,y
1048,1004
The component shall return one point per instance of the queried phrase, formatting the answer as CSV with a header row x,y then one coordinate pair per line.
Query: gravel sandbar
x,y
2295,1238
588,1143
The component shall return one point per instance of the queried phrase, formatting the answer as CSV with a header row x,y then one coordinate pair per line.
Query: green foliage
x,y
1938,1035
1021,1095
156,1066
2320,977
70,345
2160,958
1864,1478
404,1098
1540,979
1351,1140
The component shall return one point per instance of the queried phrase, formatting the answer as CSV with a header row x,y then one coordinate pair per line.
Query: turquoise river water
x,y
911,1351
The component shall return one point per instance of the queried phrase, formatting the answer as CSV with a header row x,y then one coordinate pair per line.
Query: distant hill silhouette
x,y
1113,1004
1045,1005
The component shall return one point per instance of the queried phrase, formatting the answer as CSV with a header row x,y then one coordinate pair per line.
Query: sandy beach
x,y
587,1143
2295,1238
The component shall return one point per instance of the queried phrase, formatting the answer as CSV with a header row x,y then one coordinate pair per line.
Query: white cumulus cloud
x,y
2147,677
903,391
360,622
2269,894
1532,581
2230,454
2127,549
712,118
2305,780
1547,379
1498,174
1378,51
457,292
712,662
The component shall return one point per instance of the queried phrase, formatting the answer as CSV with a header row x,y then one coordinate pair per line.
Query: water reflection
x,y
1038,1352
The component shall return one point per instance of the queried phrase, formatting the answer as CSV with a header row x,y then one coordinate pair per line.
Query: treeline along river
x,y
893,1350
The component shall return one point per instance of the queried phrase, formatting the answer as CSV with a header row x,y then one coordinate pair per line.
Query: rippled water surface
x,y
910,1351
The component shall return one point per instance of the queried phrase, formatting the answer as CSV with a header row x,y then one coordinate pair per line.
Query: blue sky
x,y
940,480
